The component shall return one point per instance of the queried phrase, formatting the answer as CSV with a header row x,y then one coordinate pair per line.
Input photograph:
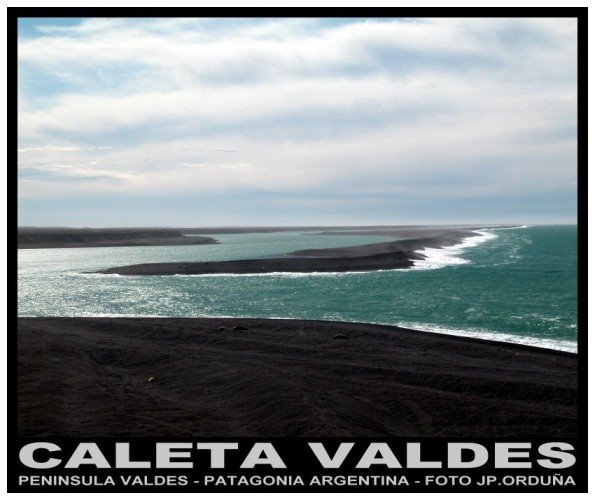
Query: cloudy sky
x,y
154,122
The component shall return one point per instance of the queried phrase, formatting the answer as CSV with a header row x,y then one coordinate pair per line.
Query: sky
x,y
297,121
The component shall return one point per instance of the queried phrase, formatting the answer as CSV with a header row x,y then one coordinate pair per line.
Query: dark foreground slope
x,y
74,238
90,376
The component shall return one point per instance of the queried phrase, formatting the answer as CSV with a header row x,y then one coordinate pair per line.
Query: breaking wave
x,y
555,344
436,258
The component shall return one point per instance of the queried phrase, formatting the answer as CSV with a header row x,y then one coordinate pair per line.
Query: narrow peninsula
x,y
397,254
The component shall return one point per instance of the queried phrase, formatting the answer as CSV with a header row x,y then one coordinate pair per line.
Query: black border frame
x,y
14,13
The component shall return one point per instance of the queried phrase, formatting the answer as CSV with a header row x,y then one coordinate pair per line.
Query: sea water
x,y
515,285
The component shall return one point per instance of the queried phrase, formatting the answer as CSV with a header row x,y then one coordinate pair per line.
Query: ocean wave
x,y
436,258
274,274
281,274
557,345
96,275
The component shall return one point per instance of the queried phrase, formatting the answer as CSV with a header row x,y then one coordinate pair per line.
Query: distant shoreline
x,y
66,237
397,254
264,377
29,238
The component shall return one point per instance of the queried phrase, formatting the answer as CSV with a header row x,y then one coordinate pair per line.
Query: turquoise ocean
x,y
515,285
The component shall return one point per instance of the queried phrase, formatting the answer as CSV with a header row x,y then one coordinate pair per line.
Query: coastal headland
x,y
258,377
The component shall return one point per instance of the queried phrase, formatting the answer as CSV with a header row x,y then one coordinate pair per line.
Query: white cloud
x,y
299,104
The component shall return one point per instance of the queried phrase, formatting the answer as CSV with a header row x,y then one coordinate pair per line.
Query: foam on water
x,y
508,228
436,258
557,345
286,274
275,274
94,275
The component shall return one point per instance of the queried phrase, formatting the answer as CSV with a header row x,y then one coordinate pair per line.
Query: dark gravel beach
x,y
257,377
